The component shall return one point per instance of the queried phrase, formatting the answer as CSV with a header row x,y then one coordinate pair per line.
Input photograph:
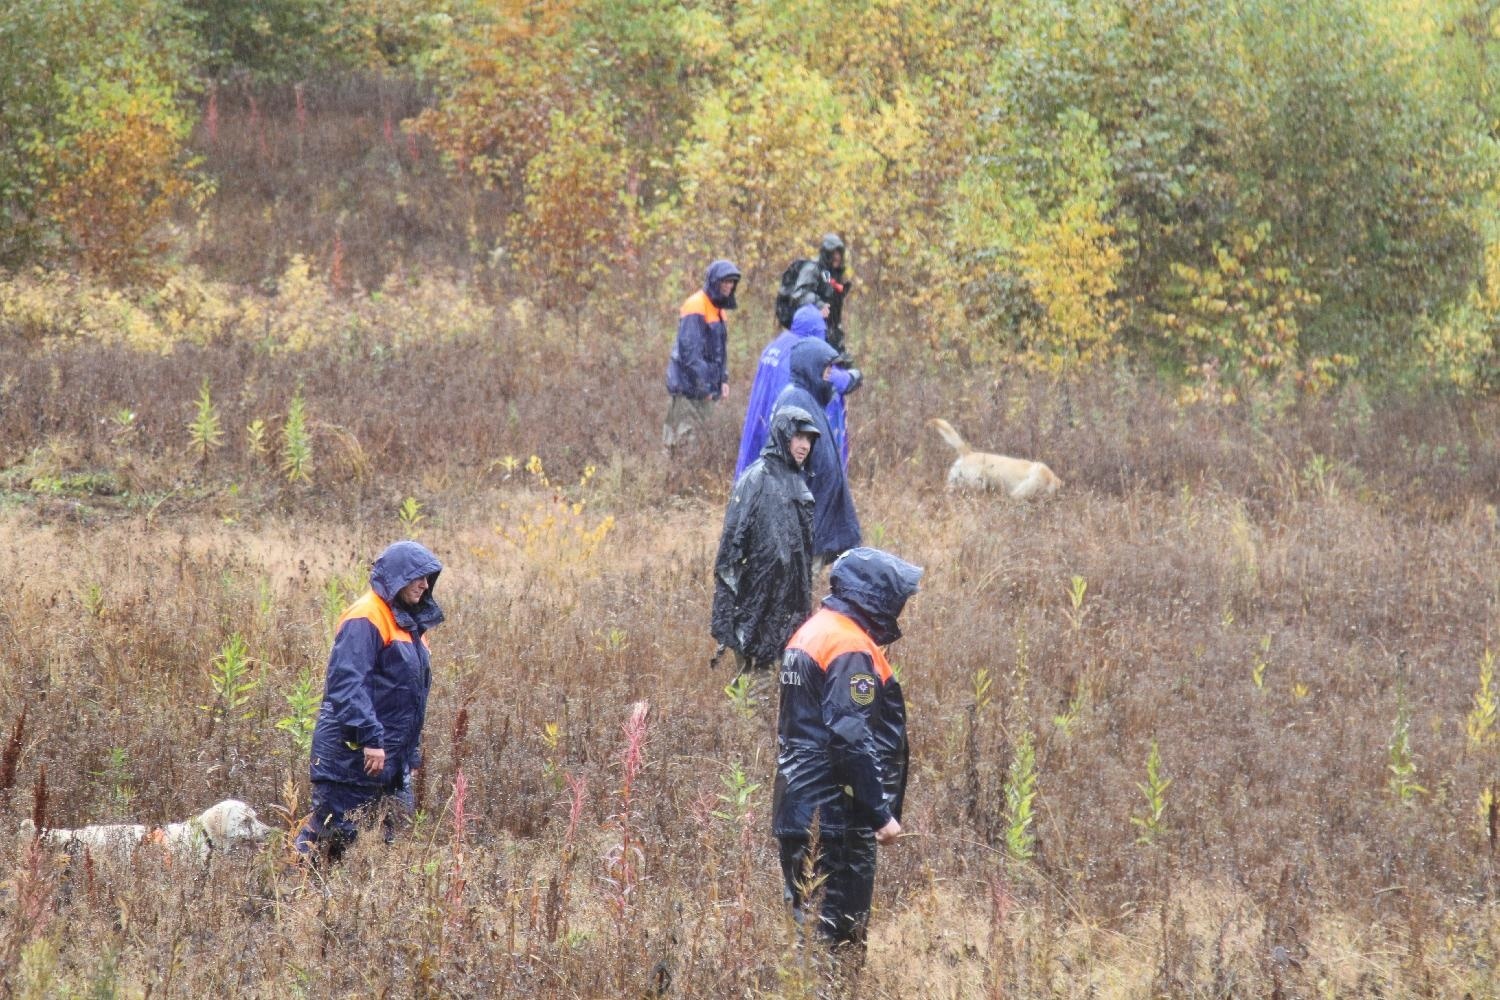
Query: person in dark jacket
x,y
368,738
772,375
824,278
763,573
698,374
841,742
835,525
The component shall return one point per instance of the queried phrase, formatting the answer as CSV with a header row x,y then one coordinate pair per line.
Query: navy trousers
x,y
339,810
847,863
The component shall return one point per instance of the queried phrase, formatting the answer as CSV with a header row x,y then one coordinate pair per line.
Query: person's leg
x,y
329,830
849,889
398,805
751,665
673,428
797,874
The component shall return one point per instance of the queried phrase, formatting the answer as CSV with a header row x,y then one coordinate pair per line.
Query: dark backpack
x,y
786,305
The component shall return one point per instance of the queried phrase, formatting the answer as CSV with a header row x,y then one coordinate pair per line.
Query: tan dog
x,y
981,470
219,827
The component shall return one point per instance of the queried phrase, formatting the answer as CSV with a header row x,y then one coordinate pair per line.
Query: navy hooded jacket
x,y
772,375
835,525
841,746
379,673
700,363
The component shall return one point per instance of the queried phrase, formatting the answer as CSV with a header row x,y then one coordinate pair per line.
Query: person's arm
x,y
414,759
849,695
734,541
845,380
692,349
355,651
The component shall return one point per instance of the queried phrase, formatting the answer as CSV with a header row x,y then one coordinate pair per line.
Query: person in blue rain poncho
x,y
835,524
773,374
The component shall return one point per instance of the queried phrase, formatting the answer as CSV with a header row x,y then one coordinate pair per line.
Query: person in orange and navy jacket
x,y
841,741
368,738
698,374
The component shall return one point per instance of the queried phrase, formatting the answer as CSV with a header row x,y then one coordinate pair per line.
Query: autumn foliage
x,y
1046,185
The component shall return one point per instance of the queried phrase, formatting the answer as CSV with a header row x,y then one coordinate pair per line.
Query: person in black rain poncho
x,y
835,525
841,748
824,280
763,573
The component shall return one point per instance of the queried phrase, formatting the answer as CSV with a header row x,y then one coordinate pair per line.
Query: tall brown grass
x,y
1256,578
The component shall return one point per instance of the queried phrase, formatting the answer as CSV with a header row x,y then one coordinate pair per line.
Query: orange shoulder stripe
x,y
828,635
699,303
371,608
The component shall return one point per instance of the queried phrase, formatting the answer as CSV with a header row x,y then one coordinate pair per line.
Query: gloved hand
x,y
856,379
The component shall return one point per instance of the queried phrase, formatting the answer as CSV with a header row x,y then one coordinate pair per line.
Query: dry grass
x,y
1341,551
1286,862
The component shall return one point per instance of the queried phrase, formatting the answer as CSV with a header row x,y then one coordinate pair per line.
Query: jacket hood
x,y
786,423
831,245
810,356
873,587
400,564
717,272
808,322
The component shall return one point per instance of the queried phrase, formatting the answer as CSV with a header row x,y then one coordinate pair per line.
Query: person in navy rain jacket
x,y
841,746
772,375
835,525
698,373
368,738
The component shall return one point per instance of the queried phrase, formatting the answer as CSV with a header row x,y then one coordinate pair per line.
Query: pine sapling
x,y
1154,788
1020,801
296,443
205,433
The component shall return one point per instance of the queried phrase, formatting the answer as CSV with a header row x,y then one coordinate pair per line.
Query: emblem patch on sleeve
x,y
862,689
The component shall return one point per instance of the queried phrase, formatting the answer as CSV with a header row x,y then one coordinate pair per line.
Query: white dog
x,y
1018,477
220,827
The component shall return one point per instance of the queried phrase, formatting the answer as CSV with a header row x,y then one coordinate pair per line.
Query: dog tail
x,y
947,433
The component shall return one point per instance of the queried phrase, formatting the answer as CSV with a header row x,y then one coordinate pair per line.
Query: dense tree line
x,y
1267,193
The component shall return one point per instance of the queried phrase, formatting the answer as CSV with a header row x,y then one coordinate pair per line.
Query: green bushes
x,y
92,129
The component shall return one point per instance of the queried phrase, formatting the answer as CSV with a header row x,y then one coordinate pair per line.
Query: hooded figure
x,y
368,738
824,279
835,525
699,365
763,573
771,377
841,737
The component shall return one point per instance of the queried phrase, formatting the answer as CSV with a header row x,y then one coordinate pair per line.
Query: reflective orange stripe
x,y
828,635
371,608
699,302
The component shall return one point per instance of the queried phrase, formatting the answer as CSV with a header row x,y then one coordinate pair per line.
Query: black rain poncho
x,y
763,573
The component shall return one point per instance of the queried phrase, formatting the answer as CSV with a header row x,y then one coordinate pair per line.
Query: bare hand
x,y
724,391
888,834
374,761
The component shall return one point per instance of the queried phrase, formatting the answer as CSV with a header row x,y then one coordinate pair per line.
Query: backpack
x,y
786,304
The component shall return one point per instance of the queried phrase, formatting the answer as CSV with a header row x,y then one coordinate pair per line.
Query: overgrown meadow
x,y
1219,720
